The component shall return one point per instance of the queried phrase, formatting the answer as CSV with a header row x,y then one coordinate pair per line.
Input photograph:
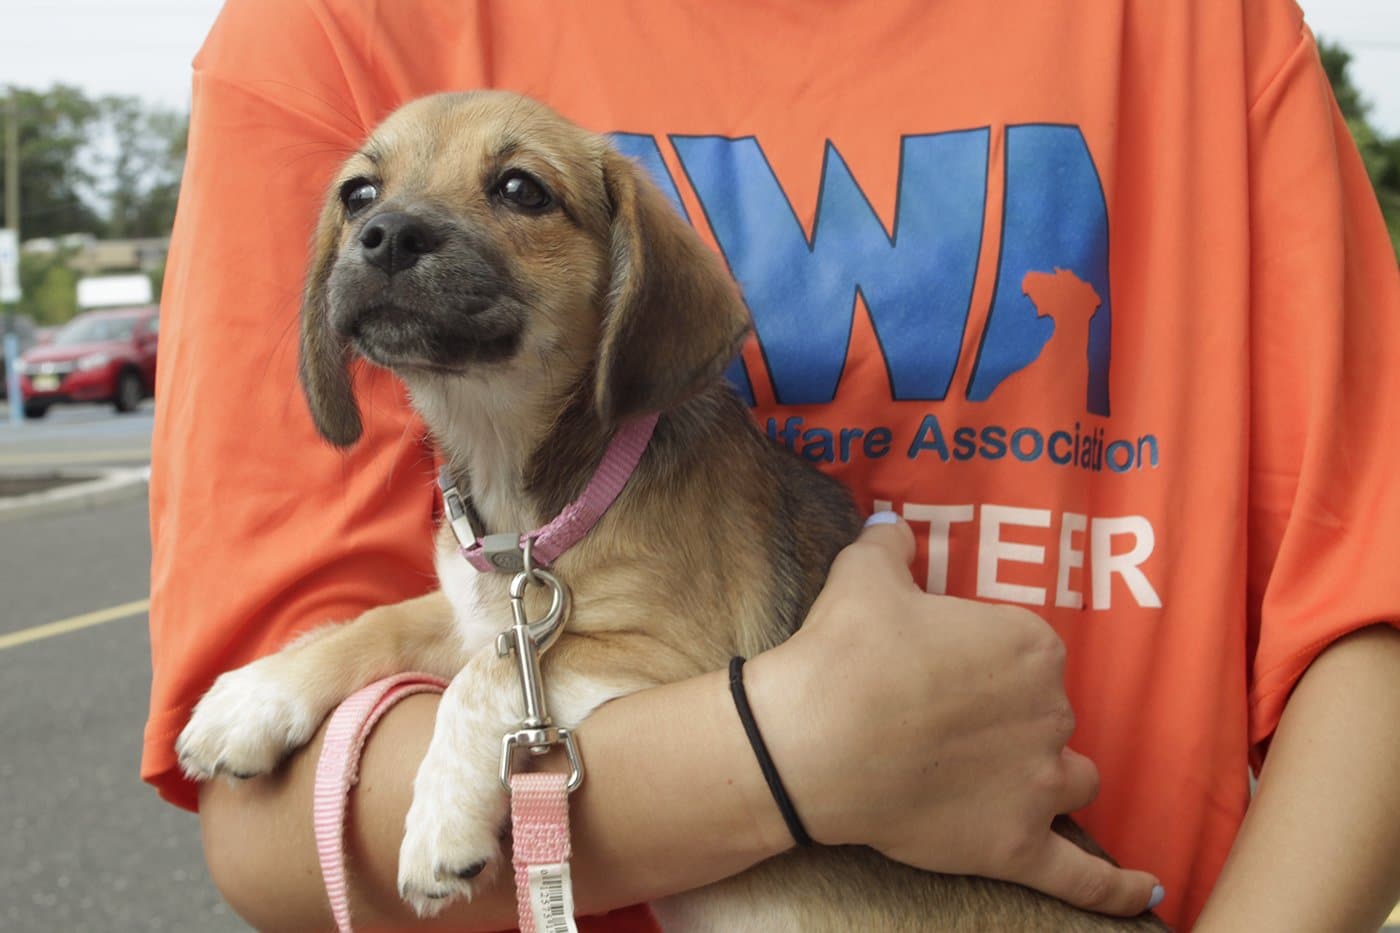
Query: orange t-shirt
x,y
1095,293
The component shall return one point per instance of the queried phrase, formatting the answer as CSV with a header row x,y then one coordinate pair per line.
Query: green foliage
x,y
56,298
54,129
109,166
1335,61
1381,154
157,277
50,287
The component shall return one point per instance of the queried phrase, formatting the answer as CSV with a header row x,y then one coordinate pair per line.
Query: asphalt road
x,y
75,437
85,845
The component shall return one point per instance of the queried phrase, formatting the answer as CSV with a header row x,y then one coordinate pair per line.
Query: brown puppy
x,y
533,290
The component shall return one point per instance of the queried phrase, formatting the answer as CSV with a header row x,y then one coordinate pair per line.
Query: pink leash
x,y
338,770
539,813
539,825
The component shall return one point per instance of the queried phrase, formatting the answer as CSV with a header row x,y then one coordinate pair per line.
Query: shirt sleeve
x,y
261,529
1324,507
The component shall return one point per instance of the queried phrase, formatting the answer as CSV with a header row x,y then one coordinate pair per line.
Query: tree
x,y
110,167
1381,154
54,129
141,177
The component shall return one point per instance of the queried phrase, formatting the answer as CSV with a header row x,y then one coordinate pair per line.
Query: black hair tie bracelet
x,y
760,750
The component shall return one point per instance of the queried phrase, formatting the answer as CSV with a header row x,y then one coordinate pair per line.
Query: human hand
x,y
933,729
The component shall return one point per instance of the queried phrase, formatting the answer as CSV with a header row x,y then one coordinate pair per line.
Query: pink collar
x,y
504,552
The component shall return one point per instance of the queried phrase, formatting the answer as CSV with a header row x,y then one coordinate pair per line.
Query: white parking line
x,y
63,626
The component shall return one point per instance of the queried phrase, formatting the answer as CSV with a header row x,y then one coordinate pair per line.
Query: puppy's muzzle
x,y
395,241
419,288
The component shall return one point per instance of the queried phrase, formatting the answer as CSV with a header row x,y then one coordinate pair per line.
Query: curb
x,y
109,486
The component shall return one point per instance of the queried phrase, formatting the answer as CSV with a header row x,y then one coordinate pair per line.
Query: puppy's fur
x,y
528,319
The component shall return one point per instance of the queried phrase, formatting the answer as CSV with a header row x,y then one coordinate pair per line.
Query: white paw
x,y
452,834
248,722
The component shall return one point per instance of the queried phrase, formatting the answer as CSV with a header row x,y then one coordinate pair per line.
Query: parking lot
x,y
86,846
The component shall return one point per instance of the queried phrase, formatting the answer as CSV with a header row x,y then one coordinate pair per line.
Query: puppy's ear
x,y
325,374
673,318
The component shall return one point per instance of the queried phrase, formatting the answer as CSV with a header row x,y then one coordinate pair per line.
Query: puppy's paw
x,y
247,723
452,836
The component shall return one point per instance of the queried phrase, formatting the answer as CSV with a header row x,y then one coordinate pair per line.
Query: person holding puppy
x,y
1122,320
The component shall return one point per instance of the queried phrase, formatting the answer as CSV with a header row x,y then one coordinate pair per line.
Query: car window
x,y
95,330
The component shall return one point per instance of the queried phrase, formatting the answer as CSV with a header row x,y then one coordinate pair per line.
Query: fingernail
x,y
881,518
1158,894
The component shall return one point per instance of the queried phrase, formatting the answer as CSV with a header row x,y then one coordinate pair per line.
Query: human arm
x,y
980,684
1320,848
259,848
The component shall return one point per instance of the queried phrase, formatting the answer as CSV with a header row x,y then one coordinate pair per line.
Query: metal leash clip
x,y
529,640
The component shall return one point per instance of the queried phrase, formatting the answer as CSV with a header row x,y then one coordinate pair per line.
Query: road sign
x,y
9,266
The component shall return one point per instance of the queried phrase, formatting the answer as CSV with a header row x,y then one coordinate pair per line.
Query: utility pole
x,y
11,342
12,160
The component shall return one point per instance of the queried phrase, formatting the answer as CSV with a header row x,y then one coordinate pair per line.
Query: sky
x,y
144,47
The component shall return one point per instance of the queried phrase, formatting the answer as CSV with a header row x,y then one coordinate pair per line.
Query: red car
x,y
100,356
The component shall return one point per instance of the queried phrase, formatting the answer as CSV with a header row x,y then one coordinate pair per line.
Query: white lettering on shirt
x,y
1002,535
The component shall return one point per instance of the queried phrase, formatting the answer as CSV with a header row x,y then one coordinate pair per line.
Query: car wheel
x,y
35,409
129,392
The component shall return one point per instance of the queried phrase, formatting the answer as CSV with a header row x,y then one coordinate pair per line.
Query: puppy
x,y
534,291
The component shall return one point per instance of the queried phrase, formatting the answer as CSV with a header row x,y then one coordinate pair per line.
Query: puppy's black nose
x,y
395,241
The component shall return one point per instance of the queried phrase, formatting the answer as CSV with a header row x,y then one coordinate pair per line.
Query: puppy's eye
x,y
523,191
358,194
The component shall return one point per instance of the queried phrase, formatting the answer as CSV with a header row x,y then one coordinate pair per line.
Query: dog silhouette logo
x,y
1060,375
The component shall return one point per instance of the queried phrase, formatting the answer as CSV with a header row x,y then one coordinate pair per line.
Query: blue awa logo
x,y
917,281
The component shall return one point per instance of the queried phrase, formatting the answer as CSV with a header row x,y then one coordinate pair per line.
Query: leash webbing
x,y
539,821
338,770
